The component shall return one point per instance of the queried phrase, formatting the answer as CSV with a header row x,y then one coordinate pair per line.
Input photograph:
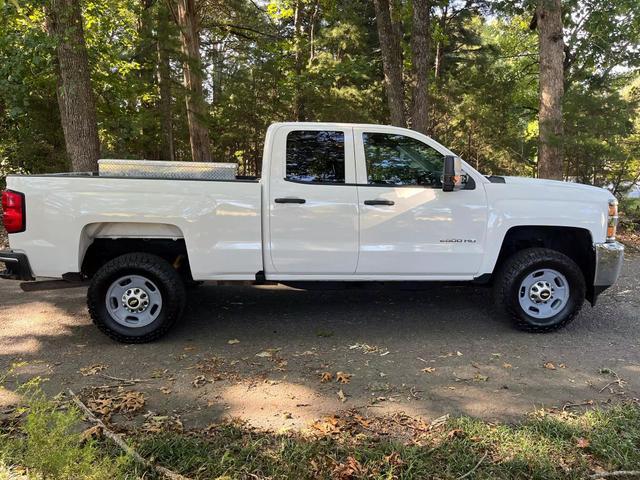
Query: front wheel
x,y
541,289
136,298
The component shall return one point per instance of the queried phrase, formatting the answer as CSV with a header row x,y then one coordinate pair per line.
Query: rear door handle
x,y
290,200
379,202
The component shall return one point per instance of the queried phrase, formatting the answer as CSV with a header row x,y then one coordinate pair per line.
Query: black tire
x,y
517,267
156,269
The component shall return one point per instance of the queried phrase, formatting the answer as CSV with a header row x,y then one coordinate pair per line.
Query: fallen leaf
x,y
549,366
497,355
165,390
459,354
562,365
341,396
233,341
199,381
131,401
267,353
348,470
93,369
582,443
328,425
455,433
326,377
393,459
506,365
439,421
189,349
480,378
105,404
428,370
92,433
343,377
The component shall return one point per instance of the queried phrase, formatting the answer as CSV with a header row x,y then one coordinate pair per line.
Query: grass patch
x,y
543,447
47,443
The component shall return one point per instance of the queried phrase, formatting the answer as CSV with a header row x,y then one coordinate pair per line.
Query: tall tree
x,y
420,51
548,21
74,92
391,52
298,101
196,107
167,144
146,59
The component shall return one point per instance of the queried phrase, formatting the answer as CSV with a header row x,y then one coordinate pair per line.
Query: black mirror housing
x,y
452,178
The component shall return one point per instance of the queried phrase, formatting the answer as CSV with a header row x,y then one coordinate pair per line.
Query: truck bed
x,y
219,220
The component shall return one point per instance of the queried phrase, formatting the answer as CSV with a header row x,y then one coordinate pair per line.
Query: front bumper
x,y
609,258
16,266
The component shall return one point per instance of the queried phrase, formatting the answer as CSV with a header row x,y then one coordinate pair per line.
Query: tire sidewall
x,y
576,291
171,302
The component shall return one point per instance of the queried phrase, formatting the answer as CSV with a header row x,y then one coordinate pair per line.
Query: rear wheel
x,y
541,289
136,298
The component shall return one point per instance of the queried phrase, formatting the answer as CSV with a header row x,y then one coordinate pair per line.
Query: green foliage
x,y
51,446
629,209
257,65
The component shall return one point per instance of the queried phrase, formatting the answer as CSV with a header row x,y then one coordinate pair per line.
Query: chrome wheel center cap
x,y
541,292
135,300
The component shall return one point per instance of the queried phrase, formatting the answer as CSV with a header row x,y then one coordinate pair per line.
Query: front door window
x,y
399,160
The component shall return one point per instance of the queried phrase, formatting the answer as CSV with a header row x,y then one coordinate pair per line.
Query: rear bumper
x,y
609,258
16,266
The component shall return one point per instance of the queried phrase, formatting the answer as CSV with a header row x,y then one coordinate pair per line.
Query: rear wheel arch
x,y
102,250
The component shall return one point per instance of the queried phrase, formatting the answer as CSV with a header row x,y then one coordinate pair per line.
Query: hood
x,y
559,185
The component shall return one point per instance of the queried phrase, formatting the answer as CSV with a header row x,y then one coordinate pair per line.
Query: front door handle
x,y
290,200
379,202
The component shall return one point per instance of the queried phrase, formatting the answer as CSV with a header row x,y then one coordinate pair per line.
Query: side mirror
x,y
452,178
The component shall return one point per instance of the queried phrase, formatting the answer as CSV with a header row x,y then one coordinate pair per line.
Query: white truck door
x,y
409,227
313,203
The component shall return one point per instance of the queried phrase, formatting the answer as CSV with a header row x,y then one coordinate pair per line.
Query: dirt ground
x,y
260,353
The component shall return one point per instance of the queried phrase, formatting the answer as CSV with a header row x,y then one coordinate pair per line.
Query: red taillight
x,y
13,216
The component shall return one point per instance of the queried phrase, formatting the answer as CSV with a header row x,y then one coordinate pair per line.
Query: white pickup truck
x,y
335,202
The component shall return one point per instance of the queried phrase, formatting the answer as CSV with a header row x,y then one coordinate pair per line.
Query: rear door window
x,y
315,156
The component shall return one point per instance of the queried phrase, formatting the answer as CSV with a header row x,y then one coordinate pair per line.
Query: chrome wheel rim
x,y
133,301
543,293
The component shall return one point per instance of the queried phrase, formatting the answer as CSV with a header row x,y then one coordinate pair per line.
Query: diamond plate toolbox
x,y
169,170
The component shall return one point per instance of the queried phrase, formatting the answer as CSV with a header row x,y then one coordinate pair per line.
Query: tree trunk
x,y
75,95
167,147
196,108
298,100
391,62
550,152
439,47
420,50
145,56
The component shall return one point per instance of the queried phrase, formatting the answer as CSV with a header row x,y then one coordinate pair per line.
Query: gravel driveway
x,y
271,355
